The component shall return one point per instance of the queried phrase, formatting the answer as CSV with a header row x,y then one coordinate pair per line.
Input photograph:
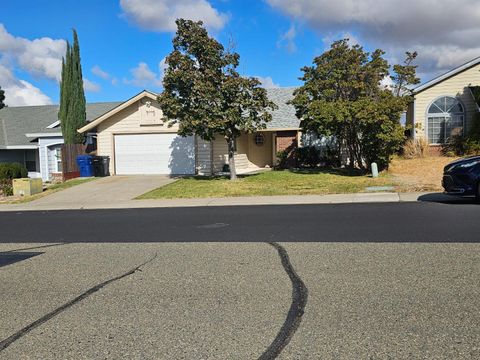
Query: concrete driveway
x,y
102,192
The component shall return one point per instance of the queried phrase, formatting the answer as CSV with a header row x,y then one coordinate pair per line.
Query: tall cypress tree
x,y
65,95
72,113
2,97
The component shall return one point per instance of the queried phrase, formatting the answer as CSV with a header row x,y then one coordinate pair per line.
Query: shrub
x,y
282,157
12,171
308,156
415,148
457,145
6,188
8,172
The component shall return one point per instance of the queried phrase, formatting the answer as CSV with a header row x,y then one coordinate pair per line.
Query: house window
x,y
58,159
30,160
445,118
259,139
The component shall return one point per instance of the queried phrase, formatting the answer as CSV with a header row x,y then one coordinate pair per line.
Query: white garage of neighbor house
x,y
138,141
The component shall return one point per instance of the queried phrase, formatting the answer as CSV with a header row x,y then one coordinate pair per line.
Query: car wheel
x,y
477,193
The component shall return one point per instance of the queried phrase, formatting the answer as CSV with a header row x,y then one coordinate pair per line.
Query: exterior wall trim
x,y
37,135
19,147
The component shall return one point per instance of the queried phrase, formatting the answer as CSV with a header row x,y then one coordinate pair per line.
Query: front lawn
x,y
286,182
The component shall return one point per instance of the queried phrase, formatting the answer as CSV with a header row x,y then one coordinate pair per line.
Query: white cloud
x,y
287,40
20,92
143,76
445,33
97,70
387,82
90,86
267,82
162,67
160,15
331,37
40,57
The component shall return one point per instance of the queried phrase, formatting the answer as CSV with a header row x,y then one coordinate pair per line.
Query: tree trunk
x,y
231,158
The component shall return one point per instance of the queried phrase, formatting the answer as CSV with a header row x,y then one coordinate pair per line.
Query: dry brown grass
x,y
415,148
420,174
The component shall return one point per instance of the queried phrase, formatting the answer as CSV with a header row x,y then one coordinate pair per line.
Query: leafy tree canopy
x,y
204,93
342,97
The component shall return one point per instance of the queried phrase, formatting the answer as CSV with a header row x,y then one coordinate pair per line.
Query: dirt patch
x,y
422,174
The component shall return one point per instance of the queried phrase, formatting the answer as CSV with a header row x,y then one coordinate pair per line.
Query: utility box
x,y
27,187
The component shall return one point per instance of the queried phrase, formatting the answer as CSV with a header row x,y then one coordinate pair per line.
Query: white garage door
x,y
154,154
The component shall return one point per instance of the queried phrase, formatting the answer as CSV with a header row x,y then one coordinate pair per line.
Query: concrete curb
x,y
383,197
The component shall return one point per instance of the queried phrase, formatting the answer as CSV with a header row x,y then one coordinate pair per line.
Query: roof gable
x,y
121,106
447,75
16,122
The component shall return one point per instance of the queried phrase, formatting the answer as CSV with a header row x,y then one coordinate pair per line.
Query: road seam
x,y
297,308
11,339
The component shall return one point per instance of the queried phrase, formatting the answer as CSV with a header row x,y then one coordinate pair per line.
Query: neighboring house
x,y
138,141
445,106
31,135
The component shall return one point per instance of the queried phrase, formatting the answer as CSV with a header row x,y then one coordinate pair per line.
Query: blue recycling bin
x,y
85,165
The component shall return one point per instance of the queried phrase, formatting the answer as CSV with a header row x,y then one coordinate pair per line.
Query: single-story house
x,y
137,140
446,105
31,135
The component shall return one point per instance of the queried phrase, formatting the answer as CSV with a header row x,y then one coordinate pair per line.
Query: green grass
x,y
286,182
50,190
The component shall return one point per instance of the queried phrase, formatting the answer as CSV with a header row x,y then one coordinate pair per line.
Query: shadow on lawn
x,y
329,171
303,171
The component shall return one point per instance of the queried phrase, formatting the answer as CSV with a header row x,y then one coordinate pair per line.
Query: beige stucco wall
x,y
456,86
257,155
203,156
260,155
138,118
219,153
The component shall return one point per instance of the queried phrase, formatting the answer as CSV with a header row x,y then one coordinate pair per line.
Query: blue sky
x,y
124,41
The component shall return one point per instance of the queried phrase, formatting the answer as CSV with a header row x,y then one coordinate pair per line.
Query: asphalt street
x,y
364,281
377,222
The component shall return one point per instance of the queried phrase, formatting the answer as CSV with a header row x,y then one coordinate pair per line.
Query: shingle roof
x,y
284,117
15,122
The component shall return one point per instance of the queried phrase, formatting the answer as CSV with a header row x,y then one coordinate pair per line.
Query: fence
x,y
69,160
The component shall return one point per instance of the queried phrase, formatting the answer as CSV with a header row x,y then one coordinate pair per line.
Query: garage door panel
x,y
154,154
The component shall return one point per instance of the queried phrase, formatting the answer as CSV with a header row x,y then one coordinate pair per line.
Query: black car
x,y
462,177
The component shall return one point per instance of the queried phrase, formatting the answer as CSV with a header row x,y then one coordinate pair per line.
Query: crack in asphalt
x,y
11,339
297,308
33,247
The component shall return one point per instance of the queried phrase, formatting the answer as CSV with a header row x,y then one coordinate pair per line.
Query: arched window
x,y
445,118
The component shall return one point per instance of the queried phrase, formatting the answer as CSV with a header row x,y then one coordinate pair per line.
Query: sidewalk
x,y
384,197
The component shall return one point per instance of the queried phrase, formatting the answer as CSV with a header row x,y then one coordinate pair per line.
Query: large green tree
x,y
343,97
204,93
2,98
72,113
